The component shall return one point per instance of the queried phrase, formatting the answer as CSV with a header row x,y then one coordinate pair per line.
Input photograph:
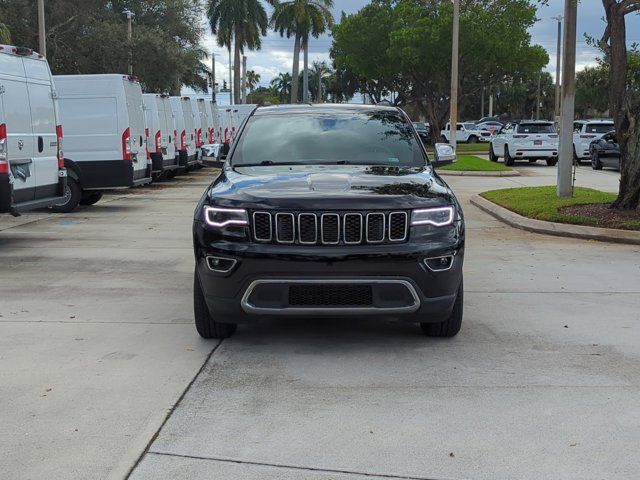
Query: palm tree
x,y
244,22
5,35
301,18
319,70
282,85
253,79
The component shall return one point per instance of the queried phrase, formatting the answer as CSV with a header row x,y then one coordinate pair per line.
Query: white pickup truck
x,y
531,140
585,132
467,132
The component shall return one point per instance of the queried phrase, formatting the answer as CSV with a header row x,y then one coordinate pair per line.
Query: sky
x,y
276,54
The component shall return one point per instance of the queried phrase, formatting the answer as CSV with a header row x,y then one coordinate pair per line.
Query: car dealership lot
x,y
97,343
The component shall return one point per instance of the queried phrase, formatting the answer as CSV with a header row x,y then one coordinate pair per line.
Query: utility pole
x,y
42,39
565,188
556,113
230,79
538,96
491,104
129,15
482,103
213,77
453,122
243,81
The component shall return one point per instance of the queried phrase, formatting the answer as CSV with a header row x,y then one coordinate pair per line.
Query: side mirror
x,y
444,154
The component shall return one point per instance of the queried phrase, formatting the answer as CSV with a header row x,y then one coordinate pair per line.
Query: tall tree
x,y
319,71
301,18
89,36
253,79
624,98
282,86
592,90
241,22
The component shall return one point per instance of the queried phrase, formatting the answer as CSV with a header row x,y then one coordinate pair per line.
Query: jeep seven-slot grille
x,y
330,228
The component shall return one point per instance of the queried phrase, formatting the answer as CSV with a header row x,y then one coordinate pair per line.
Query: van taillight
x,y
226,135
157,140
60,152
146,135
126,144
211,135
183,140
175,140
4,165
198,137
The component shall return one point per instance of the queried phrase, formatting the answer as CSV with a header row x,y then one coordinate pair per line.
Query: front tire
x,y
72,197
596,164
91,199
472,139
450,327
205,325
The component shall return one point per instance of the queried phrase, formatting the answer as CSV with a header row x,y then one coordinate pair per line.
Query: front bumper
x,y
228,295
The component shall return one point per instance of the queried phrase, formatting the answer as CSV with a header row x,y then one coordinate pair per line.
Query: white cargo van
x,y
179,132
197,125
32,173
160,138
205,121
105,139
214,135
188,158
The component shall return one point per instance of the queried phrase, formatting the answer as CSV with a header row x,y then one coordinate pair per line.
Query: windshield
x,y
598,127
470,126
328,139
536,128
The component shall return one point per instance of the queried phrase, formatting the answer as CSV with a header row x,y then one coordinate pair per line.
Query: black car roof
x,y
322,108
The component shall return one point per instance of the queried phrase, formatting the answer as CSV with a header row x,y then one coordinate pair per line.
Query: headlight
x,y
438,217
218,217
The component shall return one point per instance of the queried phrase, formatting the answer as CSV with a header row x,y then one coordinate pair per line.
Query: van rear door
x,y
43,121
133,93
17,121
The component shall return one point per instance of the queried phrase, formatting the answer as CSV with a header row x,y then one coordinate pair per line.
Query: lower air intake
x,y
318,295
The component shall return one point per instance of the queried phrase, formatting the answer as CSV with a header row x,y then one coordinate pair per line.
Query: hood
x,y
334,187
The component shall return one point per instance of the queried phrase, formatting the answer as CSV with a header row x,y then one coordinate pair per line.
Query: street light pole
x,y
213,77
556,113
453,121
42,39
129,15
565,188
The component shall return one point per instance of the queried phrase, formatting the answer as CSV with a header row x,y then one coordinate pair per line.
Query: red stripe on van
x,y
4,165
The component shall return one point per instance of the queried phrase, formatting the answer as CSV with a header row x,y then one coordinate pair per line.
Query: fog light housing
x,y
221,264
439,264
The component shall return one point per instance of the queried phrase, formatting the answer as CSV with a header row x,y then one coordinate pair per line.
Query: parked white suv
x,y
32,173
466,133
531,140
585,132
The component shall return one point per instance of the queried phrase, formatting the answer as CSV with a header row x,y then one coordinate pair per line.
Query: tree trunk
x,y
295,74
305,75
236,67
625,124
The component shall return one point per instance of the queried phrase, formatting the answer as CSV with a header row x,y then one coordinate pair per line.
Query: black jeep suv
x,y
328,210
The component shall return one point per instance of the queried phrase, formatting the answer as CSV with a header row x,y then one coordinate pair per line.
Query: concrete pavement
x,y
97,343
542,382
96,331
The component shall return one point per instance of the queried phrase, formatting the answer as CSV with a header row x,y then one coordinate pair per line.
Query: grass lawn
x,y
542,203
473,147
474,164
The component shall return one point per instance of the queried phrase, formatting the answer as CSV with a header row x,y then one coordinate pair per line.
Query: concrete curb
x,y
558,229
470,173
